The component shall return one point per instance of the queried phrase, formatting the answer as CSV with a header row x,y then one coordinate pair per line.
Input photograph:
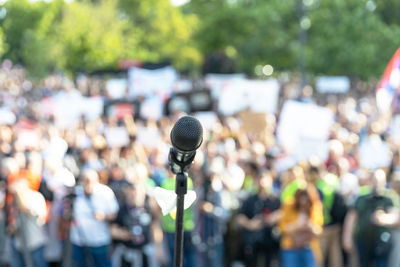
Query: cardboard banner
x,y
252,122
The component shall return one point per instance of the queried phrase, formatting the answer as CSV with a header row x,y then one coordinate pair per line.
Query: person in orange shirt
x,y
300,225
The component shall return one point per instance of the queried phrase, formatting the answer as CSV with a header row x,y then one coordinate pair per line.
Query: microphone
x,y
186,137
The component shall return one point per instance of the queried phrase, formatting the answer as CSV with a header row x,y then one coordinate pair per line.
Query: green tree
x,y
344,37
163,31
27,28
92,36
348,38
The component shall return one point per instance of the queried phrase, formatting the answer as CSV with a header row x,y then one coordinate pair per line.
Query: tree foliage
x,y
344,37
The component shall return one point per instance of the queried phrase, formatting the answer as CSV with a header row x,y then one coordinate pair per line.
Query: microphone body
x,y
186,138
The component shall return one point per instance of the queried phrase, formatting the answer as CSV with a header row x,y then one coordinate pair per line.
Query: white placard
x,y
334,84
207,119
116,88
149,137
374,153
7,116
218,81
257,96
68,108
116,136
143,82
183,86
152,108
92,107
304,127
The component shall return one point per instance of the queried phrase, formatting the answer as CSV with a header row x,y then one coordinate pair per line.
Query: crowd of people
x,y
69,198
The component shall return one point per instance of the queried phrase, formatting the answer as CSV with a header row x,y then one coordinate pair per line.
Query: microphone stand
x,y
179,167
180,190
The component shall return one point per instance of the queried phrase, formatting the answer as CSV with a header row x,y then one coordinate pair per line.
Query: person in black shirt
x,y
257,218
132,230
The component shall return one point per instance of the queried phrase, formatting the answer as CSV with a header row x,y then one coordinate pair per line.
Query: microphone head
x,y
187,134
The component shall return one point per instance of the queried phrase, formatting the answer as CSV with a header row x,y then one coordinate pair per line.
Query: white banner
x,y
69,107
215,82
257,96
334,84
143,82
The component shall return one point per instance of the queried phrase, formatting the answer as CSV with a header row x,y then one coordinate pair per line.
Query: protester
x,y
52,132
257,217
29,236
373,214
95,205
334,209
301,224
168,226
211,220
132,230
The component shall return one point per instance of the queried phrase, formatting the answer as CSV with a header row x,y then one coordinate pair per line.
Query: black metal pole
x,y
180,190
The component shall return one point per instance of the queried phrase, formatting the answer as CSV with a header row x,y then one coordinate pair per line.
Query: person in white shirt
x,y
95,205
28,244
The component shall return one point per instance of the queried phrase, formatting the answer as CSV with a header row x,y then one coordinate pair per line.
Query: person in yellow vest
x,y
334,211
168,226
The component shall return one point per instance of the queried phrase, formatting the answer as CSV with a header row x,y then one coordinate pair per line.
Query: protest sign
x,y
152,108
27,134
334,84
253,122
215,82
92,107
116,88
7,116
120,109
116,136
257,96
303,129
68,108
207,119
149,137
374,153
143,82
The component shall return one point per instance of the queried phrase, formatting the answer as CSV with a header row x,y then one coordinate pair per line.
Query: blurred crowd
x,y
68,198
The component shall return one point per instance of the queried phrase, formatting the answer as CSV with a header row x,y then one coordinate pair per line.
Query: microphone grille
x,y
187,134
